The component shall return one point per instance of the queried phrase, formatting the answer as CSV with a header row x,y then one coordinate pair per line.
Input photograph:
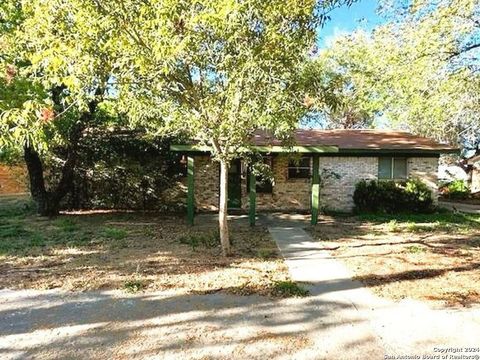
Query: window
x,y
392,168
299,169
262,186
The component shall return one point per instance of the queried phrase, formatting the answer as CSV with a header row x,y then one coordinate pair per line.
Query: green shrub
x,y
419,196
392,197
457,189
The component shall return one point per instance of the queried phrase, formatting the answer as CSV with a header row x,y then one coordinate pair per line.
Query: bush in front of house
x,y
392,197
457,189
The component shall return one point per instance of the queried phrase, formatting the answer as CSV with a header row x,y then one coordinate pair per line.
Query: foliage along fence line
x,y
125,171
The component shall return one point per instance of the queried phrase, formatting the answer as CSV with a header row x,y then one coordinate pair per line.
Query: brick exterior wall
x,y
294,194
13,180
207,183
337,194
425,169
288,194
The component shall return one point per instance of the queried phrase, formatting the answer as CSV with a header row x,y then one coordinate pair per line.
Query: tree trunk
x,y
222,213
47,204
48,201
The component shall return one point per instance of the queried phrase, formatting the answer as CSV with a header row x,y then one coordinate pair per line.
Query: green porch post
x,y
191,190
253,198
315,189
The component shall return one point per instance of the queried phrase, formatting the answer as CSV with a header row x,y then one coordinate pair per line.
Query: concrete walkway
x,y
406,328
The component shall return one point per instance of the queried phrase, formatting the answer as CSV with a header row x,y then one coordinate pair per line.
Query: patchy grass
x,y
431,257
133,286
67,225
289,289
267,253
207,240
114,233
439,221
415,249
132,252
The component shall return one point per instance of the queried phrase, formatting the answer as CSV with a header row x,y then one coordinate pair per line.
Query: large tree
x,y
338,96
57,60
419,71
215,69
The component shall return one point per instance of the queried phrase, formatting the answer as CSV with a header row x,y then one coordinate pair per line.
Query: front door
x,y
235,185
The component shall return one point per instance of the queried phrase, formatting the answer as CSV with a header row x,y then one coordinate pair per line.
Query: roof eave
x,y
399,150
318,149
263,149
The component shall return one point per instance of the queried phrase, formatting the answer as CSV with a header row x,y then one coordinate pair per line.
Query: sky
x,y
346,19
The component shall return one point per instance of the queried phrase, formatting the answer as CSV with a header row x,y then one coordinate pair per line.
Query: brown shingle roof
x,y
358,140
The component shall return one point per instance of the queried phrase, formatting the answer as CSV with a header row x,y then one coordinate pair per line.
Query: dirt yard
x,y
131,251
435,258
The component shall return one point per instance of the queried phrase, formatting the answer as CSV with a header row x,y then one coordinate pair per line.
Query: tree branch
x,y
464,50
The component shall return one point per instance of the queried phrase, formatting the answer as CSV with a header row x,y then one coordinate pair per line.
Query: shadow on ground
x,y
101,325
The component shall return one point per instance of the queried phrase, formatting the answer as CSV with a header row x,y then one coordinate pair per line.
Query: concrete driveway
x,y
56,325
456,206
326,325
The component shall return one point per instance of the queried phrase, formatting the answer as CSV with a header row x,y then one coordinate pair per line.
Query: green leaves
x,y
413,72
56,55
217,70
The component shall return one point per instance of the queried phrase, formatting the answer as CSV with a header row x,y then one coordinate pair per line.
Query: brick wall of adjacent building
x,y
13,180
294,194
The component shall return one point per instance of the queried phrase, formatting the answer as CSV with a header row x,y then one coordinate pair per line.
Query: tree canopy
x,y
215,70
419,71
57,60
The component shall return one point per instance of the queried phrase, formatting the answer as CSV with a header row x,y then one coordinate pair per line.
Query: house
x,y
474,162
352,155
451,172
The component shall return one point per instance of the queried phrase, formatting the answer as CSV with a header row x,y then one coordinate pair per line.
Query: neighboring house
x,y
474,162
448,173
13,180
352,155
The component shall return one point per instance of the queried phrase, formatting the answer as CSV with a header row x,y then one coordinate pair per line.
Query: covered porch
x,y
240,173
